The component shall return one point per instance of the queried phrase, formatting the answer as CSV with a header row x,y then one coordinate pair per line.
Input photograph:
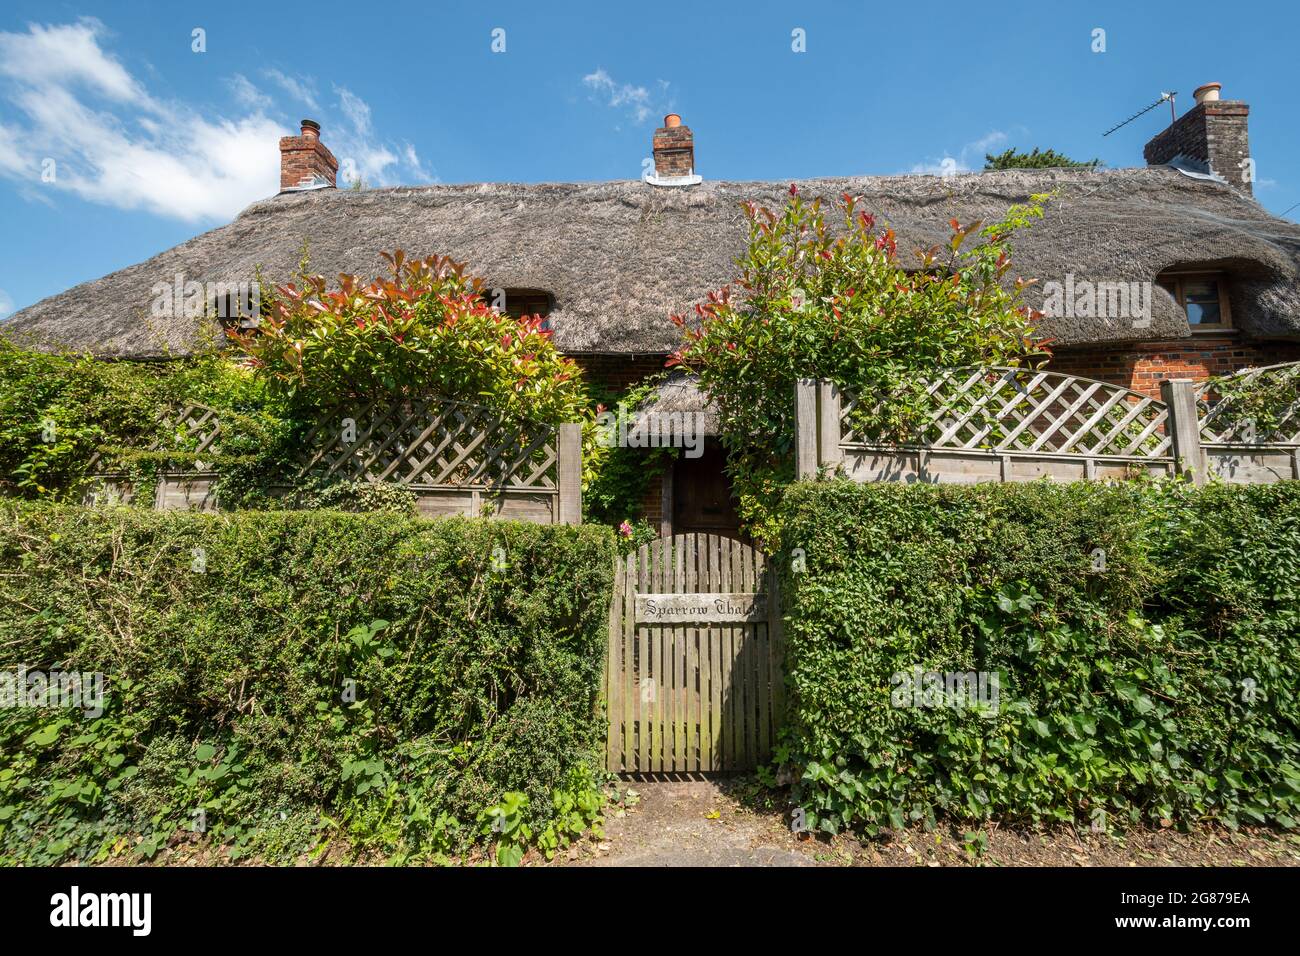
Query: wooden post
x,y
805,428
1184,428
776,644
666,500
828,425
570,473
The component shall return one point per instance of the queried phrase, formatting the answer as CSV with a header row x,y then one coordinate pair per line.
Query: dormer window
x,y
521,302
1203,296
240,310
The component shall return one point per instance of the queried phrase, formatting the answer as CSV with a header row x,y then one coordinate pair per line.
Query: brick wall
x,y
1143,367
619,371
674,150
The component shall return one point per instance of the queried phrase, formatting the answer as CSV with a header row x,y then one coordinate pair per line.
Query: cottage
x,y
1169,270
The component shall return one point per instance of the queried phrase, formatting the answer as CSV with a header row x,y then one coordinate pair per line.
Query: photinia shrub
x,y
841,304
426,330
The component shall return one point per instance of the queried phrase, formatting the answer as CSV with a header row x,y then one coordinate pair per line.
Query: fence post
x,y
828,424
805,428
570,473
1184,427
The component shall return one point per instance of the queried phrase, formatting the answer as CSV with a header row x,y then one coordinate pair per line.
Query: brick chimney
x,y
1210,137
305,163
674,149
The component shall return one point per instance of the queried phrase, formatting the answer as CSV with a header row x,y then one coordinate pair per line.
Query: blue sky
x,y
153,142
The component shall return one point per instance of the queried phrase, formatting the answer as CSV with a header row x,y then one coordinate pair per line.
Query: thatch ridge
x,y
619,257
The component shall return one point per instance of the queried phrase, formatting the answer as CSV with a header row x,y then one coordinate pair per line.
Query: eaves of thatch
x,y
619,257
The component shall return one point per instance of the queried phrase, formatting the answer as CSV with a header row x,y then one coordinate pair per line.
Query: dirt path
x,y
733,822
694,824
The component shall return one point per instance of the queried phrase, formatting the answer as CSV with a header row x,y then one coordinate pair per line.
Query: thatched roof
x,y
681,395
620,256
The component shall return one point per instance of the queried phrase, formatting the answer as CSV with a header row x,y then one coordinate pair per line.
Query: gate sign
x,y
704,608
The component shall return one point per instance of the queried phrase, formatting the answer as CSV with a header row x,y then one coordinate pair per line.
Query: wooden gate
x,y
693,676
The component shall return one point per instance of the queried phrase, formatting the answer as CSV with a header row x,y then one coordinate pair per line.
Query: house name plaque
x,y
706,608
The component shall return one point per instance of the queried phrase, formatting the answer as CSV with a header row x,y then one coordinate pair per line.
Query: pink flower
x,y
625,529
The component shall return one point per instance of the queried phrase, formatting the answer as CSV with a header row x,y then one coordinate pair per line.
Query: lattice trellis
x,y
195,429
192,429
1010,410
1275,420
436,444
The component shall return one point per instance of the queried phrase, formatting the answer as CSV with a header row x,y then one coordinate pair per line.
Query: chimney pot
x,y
672,121
1207,93
304,160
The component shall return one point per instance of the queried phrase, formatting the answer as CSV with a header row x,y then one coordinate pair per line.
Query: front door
x,y
702,501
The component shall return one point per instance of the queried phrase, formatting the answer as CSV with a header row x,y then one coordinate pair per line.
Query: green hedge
x,y
228,642
1145,638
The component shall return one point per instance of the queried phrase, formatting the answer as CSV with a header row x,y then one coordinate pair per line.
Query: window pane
x,y
1202,299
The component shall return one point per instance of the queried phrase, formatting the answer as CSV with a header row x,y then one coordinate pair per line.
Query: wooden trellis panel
x,y
995,424
434,444
195,429
1225,422
457,458
693,674
1239,445
1011,410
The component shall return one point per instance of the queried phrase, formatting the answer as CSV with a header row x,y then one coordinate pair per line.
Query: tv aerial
x,y
1163,96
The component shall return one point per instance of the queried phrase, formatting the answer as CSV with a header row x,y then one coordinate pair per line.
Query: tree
x,y
1037,159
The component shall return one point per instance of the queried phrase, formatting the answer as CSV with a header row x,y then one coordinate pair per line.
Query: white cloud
x,y
301,89
961,163
247,94
361,154
113,142
638,101
68,55
6,303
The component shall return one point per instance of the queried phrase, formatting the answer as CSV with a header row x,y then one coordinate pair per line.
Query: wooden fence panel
x,y
998,424
456,458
